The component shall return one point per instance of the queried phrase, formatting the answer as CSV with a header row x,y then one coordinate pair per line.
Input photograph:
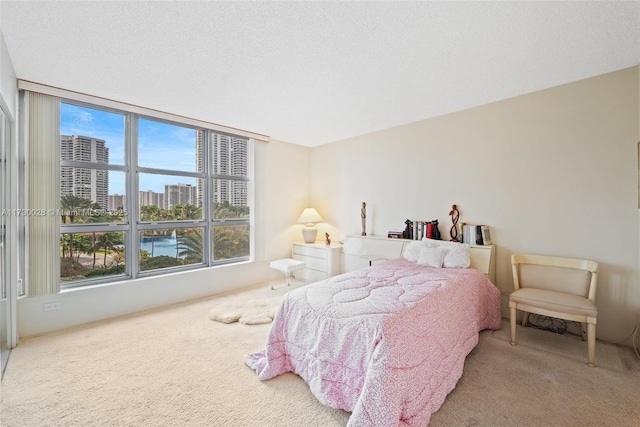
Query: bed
x,y
386,342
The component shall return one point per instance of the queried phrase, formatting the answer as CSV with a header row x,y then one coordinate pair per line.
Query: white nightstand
x,y
322,261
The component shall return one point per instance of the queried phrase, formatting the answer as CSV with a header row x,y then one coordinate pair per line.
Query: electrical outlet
x,y
50,306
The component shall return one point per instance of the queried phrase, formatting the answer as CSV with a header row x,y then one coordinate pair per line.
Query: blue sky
x,y
160,145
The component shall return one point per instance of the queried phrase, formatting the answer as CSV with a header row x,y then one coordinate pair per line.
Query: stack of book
x,y
428,229
476,234
416,230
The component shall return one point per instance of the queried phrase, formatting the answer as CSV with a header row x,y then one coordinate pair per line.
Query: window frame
x,y
133,225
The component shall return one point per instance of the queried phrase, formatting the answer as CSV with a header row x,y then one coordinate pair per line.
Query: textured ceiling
x,y
316,72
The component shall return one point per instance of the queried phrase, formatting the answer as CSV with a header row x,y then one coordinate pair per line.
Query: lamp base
x,y
309,234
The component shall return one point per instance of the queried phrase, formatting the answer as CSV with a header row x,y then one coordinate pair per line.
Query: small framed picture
x,y
486,235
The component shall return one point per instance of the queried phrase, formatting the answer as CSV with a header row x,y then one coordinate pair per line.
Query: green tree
x,y
191,246
150,213
185,212
108,241
82,243
162,261
96,218
71,205
230,242
65,241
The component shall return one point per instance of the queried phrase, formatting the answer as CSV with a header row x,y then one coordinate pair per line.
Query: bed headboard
x,y
361,251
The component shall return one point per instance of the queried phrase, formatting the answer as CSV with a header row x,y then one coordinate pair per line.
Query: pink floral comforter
x,y
387,343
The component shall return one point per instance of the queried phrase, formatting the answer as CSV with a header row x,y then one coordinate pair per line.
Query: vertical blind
x,y
43,193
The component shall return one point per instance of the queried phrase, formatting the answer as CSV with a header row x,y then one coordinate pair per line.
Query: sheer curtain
x,y
43,223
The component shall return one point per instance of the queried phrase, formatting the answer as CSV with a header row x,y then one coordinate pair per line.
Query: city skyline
x,y
158,141
98,136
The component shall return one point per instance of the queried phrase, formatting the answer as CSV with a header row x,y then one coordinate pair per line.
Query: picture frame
x,y
486,235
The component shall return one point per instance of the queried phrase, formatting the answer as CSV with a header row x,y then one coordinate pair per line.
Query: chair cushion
x,y
287,265
559,279
555,301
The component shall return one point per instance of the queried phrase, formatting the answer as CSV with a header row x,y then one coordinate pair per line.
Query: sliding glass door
x,y
4,291
9,247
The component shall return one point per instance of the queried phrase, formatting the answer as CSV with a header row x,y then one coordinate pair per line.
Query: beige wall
x,y
287,183
552,172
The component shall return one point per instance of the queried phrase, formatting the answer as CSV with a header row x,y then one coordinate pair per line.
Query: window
x,y
93,231
138,195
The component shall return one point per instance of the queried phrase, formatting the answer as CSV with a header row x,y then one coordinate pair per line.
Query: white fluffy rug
x,y
249,312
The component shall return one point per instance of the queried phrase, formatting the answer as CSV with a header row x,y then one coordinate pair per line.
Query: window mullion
x,y
132,185
92,165
206,202
173,172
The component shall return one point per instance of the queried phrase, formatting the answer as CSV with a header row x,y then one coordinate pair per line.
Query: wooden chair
x,y
563,288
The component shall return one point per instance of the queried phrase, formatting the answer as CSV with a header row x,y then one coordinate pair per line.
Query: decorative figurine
x,y
408,231
363,214
327,239
455,216
436,232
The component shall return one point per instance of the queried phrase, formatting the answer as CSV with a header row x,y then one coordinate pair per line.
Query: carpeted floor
x,y
175,367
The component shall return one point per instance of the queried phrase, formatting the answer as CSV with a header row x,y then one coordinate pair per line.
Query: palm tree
x,y
186,212
100,218
190,212
176,211
226,210
95,247
107,241
65,240
191,245
149,213
82,243
71,204
152,234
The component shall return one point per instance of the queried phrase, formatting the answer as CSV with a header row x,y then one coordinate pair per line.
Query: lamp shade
x,y
309,216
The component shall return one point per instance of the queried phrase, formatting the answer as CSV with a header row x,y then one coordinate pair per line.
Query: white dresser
x,y
322,261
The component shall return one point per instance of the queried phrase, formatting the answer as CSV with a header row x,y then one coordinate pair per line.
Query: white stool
x,y
287,266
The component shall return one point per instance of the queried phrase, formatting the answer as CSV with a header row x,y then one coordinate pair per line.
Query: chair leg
x,y
525,319
287,280
512,321
583,331
591,343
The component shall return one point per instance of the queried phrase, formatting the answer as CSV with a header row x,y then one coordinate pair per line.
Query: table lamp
x,y
309,216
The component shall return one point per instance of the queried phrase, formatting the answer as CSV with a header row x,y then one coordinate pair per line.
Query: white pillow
x,y
432,256
430,242
412,250
457,256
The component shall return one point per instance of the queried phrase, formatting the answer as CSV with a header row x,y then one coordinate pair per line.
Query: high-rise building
x,y
116,201
229,158
199,166
151,198
179,194
92,184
